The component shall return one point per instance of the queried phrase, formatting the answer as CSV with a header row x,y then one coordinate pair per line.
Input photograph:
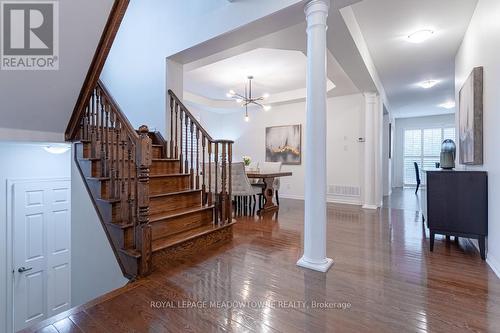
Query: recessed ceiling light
x,y
420,36
266,107
448,105
428,84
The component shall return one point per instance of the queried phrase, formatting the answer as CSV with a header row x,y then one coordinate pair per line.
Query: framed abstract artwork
x,y
283,144
471,119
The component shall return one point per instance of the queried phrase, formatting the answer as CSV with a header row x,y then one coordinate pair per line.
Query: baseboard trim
x,y
355,201
320,267
490,260
494,264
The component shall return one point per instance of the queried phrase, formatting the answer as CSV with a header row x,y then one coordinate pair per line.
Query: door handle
x,y
24,269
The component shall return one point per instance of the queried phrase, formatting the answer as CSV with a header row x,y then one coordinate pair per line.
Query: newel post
x,y
143,162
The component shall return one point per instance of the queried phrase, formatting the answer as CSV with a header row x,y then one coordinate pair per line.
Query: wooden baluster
x,y
186,164
112,159
191,171
223,183
129,184
106,138
209,194
176,148
93,138
171,127
230,182
181,162
203,170
98,120
143,163
197,158
216,181
86,124
103,120
117,161
123,180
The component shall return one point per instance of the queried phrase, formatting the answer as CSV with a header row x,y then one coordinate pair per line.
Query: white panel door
x,y
41,250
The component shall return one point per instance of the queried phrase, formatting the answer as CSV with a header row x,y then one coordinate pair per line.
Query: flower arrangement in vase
x,y
246,160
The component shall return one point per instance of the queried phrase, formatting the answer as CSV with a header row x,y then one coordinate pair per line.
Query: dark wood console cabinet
x,y
455,203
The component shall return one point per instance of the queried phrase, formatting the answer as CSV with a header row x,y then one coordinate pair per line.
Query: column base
x,y
320,267
369,207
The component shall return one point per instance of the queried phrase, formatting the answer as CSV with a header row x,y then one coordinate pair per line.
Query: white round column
x,y
315,183
372,146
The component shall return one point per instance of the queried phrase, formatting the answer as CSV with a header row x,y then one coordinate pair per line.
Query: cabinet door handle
x,y
24,269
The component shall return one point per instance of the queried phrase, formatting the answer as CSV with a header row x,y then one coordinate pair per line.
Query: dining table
x,y
267,190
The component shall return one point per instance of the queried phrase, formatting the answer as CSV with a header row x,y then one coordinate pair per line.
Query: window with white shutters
x,y
423,146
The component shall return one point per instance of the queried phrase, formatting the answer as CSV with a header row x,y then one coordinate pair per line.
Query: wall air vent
x,y
343,190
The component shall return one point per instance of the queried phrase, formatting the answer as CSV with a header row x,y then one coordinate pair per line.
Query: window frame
x,y
420,158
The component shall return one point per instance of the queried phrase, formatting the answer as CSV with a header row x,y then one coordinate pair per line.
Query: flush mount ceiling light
x,y
248,99
428,84
420,36
56,149
447,105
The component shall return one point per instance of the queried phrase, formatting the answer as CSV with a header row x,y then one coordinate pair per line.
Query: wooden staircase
x,y
155,198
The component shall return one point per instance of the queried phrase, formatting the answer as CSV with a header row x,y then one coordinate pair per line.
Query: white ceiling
x,y
280,73
274,71
385,24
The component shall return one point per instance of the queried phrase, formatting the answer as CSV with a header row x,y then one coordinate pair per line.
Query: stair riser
x,y
123,237
157,168
162,205
157,152
162,185
172,226
157,185
164,167
97,166
87,150
192,248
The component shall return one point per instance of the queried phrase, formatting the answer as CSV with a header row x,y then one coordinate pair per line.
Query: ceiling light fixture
x,y
447,105
420,36
248,99
428,84
56,149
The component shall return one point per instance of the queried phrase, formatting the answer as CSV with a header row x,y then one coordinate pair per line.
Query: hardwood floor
x,y
384,280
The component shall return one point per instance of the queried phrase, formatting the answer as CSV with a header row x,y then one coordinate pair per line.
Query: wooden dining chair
x,y
417,176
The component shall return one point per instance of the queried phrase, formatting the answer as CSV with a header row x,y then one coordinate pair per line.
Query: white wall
x,y
94,269
22,161
480,47
447,120
344,153
156,29
42,101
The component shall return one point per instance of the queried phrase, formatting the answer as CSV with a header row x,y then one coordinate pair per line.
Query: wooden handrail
x,y
107,38
190,115
119,113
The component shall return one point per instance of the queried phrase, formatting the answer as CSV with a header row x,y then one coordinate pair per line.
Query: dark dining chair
x,y
417,176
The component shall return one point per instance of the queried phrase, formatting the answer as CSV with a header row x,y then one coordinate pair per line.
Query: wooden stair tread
x,y
150,176
179,238
178,212
174,193
131,252
153,196
120,225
